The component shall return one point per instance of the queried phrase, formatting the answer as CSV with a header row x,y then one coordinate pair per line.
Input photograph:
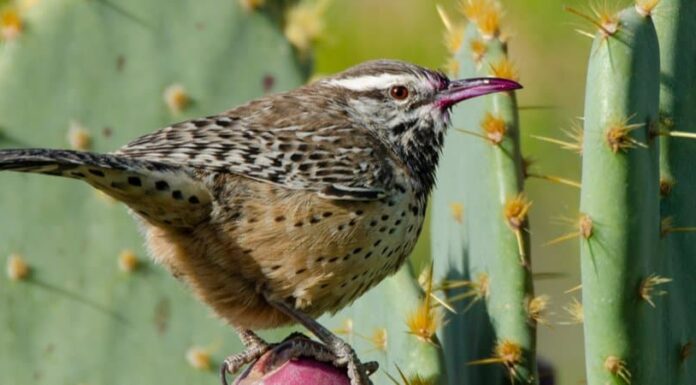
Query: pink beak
x,y
458,90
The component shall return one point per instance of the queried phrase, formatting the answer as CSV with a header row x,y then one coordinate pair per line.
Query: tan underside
x,y
315,253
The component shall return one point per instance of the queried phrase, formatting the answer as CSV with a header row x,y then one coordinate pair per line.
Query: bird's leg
x,y
255,347
344,354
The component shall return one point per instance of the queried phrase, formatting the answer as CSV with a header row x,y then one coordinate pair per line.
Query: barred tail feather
x,y
160,193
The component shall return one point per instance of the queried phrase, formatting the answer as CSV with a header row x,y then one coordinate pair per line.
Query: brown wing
x,y
296,141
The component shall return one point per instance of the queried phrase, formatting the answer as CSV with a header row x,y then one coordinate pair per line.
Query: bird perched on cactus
x,y
289,206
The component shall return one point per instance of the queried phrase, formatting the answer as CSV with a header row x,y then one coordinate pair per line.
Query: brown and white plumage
x,y
306,198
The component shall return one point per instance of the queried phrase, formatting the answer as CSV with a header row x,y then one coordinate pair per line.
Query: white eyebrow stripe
x,y
370,82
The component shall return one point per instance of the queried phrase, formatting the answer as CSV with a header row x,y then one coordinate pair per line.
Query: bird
x,y
291,205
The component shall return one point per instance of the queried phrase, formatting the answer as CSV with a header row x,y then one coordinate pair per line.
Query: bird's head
x,y
407,106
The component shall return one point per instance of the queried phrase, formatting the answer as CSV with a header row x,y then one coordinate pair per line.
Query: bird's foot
x,y
343,354
298,359
255,347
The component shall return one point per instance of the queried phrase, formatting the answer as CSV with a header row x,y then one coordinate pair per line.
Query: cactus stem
x,y
618,368
555,179
537,307
647,288
128,262
686,351
78,137
17,269
575,311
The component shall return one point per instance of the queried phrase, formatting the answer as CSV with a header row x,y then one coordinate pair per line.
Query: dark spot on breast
x,y
324,285
403,214
285,147
304,166
320,259
194,200
391,203
385,249
300,271
117,185
359,212
410,228
357,250
341,227
368,255
398,222
326,214
347,257
252,220
353,278
296,157
344,284
334,259
247,251
373,223
275,267
161,185
176,194
377,242
385,217
167,222
314,219
96,172
352,222
382,229
392,230
143,213
298,224
279,218
77,174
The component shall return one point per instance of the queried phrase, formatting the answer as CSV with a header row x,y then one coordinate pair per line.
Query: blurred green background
x,y
551,58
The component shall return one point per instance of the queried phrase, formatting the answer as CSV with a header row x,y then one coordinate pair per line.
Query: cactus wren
x,y
291,205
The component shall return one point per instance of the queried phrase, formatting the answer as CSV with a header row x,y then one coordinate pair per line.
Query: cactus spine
x,y
479,226
619,204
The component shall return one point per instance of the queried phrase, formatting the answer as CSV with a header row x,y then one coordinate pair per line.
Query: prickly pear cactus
x,y
95,74
675,22
622,276
479,219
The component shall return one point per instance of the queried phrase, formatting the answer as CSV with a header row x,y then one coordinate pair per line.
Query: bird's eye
x,y
399,92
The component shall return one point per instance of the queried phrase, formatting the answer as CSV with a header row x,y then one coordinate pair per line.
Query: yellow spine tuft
x,y
11,24
305,24
17,269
